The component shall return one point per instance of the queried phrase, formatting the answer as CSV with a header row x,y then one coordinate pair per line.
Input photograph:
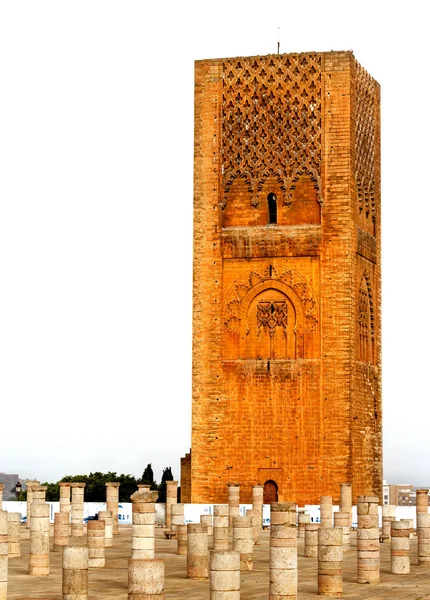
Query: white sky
x,y
96,168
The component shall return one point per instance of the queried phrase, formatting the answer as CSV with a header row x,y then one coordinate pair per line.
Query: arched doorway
x,y
270,492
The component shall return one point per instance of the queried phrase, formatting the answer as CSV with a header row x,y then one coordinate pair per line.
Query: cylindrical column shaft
x,y
343,520
253,514
112,499
207,520
224,578
330,556
30,484
400,564
177,516
283,551
197,551
39,538
243,542
145,579
143,525
422,500
220,527
96,543
75,573
257,503
233,503
423,535
171,498
368,562
326,511
311,540
304,519
61,530
181,536
3,555
13,533
106,516
388,515
77,509
345,504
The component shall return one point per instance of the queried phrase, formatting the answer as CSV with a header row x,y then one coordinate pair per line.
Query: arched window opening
x,y
270,493
273,211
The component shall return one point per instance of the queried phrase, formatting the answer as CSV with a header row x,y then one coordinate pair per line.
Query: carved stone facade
x,y
286,350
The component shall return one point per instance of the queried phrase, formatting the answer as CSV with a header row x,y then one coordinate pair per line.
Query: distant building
x,y
399,494
9,481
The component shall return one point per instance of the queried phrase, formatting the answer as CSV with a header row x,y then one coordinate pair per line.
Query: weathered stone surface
x,y
286,309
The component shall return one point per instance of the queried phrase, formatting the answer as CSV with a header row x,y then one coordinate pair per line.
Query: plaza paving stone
x,y
111,582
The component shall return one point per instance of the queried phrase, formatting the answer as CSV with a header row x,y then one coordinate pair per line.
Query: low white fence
x,y
192,512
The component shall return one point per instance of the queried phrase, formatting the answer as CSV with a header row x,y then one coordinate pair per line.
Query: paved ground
x,y
111,582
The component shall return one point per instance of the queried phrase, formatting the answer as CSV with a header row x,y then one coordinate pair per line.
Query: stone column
x,y
207,520
3,555
143,487
112,499
345,504
96,543
77,509
326,510
106,516
254,515
311,540
220,527
181,536
283,551
143,525
257,503
422,500
410,525
39,533
13,534
61,530
368,562
304,519
400,564
330,556
224,578
30,484
388,515
197,551
243,542
233,503
423,534
1,495
171,498
75,573
176,516
343,520
146,579
64,496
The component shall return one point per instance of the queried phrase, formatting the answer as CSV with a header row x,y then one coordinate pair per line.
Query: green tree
x,y
148,477
53,492
167,476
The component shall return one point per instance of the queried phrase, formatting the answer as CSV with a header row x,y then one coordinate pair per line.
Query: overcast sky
x,y
96,171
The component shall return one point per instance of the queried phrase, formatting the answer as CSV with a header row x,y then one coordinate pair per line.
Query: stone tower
x,y
287,278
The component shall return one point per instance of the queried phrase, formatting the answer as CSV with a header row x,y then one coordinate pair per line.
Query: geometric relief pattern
x,y
365,138
274,315
271,119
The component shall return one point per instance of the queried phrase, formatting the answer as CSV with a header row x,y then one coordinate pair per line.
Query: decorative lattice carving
x,y
272,315
271,118
289,277
365,138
